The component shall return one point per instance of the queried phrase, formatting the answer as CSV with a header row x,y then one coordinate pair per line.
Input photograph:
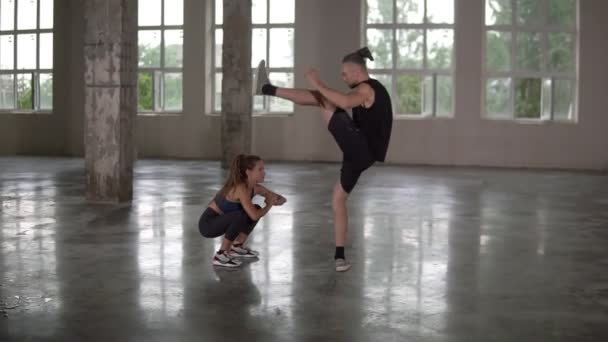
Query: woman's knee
x,y
339,197
249,219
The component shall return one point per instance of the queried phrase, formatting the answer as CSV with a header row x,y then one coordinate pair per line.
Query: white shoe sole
x,y
261,77
237,255
343,268
221,264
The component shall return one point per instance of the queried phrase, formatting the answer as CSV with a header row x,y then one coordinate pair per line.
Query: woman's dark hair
x,y
238,171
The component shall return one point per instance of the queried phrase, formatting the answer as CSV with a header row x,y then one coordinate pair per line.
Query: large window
x,y
272,39
26,55
412,43
160,45
530,59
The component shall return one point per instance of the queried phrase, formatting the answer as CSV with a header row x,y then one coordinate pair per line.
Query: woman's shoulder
x,y
240,190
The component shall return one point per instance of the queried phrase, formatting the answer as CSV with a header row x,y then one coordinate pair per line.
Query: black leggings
x,y
212,224
357,156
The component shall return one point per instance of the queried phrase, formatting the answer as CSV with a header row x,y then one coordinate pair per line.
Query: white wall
x,y
325,31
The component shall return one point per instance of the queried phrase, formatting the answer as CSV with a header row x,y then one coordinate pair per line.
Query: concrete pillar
x,y
236,81
110,53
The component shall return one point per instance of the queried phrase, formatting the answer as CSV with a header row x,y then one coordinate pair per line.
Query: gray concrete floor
x,y
439,254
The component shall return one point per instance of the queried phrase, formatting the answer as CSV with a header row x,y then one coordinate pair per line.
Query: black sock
x,y
237,244
269,89
220,252
339,253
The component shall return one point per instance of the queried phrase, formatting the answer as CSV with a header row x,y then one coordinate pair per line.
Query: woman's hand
x,y
269,200
280,200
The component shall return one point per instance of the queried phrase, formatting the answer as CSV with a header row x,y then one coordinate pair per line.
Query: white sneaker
x,y
243,252
342,265
225,260
261,78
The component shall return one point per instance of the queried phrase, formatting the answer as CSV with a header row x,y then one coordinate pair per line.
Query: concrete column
x,y
110,53
236,81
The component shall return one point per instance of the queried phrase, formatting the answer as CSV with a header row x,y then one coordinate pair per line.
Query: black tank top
x,y
376,121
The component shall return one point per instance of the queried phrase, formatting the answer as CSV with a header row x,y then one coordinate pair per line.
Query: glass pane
x,y
281,48
379,11
380,42
26,51
7,95
281,79
174,12
258,11
217,92
26,14
498,98
149,48
386,81
46,51
149,12
564,100
46,91
498,12
561,52
530,12
258,40
7,56
173,91
174,46
409,94
410,11
546,99
444,96
439,44
282,11
528,98
145,92
24,92
46,14
7,15
219,12
219,41
529,51
498,50
440,11
411,49
562,12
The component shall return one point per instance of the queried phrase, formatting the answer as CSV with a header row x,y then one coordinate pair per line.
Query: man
x,y
363,139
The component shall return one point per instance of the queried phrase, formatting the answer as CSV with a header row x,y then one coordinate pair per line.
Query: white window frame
x,y
426,74
159,72
514,74
35,73
218,70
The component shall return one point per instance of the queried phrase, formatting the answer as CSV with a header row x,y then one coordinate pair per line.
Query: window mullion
x,y
513,57
266,104
394,49
36,90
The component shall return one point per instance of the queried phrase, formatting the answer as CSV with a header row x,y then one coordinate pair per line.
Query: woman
x,y
231,212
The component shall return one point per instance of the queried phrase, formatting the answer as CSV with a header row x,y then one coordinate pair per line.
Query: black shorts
x,y
357,156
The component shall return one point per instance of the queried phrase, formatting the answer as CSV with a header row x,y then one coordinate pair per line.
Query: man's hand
x,y
312,75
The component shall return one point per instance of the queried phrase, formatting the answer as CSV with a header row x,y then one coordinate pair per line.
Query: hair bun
x,y
365,53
